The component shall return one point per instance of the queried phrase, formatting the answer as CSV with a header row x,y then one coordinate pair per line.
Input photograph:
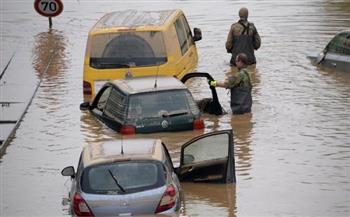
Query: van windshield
x,y
127,49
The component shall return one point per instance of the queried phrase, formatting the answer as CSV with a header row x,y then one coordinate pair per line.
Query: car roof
x,y
134,19
122,150
344,33
147,84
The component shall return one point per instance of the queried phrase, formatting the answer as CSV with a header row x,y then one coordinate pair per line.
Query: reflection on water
x,y
50,62
49,48
201,199
242,126
93,130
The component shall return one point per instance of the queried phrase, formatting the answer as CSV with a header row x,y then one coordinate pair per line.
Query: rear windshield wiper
x,y
175,113
115,65
116,180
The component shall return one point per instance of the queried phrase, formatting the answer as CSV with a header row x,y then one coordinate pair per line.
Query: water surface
x,y
292,152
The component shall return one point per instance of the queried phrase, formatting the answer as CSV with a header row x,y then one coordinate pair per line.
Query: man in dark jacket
x,y
243,38
240,85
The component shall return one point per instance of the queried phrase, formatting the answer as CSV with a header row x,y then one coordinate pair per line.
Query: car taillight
x,y
87,88
80,207
127,130
198,124
168,199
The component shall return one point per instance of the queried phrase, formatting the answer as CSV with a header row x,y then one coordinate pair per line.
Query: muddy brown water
x,y
292,152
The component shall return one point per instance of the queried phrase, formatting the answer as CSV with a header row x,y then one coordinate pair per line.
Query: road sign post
x,y
48,8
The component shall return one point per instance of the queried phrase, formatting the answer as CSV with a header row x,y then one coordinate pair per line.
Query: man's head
x,y
243,13
241,60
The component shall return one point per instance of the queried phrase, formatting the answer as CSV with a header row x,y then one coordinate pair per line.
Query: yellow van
x,y
138,43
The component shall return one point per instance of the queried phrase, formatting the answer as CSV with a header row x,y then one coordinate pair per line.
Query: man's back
x,y
243,37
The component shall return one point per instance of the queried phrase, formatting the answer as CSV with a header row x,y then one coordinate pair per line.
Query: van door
x,y
208,158
189,59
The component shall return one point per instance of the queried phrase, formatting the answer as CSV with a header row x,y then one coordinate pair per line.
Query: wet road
x,y
292,153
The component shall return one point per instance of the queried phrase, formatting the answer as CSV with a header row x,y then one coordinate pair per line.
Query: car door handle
x,y
334,64
186,170
189,169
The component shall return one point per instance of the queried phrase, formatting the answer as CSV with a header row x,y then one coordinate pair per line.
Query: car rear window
x,y
162,103
116,105
127,49
132,176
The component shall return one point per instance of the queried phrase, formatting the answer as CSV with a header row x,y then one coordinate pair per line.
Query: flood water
x,y
292,152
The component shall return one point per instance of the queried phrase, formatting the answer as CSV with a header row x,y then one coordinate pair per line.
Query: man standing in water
x,y
240,85
243,38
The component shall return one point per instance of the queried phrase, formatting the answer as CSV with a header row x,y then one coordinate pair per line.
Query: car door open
x,y
208,158
207,105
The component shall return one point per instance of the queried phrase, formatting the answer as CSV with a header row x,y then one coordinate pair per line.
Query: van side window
x,y
181,35
187,30
116,105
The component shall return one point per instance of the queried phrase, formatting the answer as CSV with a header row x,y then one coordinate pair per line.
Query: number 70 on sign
x,y
48,8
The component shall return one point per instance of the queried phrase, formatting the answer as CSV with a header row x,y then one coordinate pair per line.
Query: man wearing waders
x,y
240,85
243,38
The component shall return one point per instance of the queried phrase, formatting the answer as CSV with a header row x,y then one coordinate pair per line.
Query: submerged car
x,y
146,105
141,43
137,176
336,54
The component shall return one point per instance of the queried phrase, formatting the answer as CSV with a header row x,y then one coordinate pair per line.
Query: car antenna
x,y
121,148
155,82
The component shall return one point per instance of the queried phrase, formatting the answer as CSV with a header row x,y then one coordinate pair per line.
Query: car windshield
x,y
127,49
123,177
161,104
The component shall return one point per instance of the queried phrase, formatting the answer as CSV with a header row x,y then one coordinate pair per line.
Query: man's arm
x,y
229,41
227,83
256,39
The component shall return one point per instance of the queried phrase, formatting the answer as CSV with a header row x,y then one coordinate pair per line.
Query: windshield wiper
x,y
115,65
175,113
116,180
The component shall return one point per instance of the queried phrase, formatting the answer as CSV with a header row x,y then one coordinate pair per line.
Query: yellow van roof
x,y
132,19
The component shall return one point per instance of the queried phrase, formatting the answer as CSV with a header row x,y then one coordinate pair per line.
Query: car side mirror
x,y
84,106
68,171
197,34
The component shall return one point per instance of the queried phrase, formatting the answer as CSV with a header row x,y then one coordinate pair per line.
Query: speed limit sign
x,y
48,8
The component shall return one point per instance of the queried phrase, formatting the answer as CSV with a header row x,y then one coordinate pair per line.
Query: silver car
x,y
336,54
137,177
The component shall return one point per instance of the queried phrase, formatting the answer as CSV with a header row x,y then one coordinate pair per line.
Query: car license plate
x,y
125,214
98,85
